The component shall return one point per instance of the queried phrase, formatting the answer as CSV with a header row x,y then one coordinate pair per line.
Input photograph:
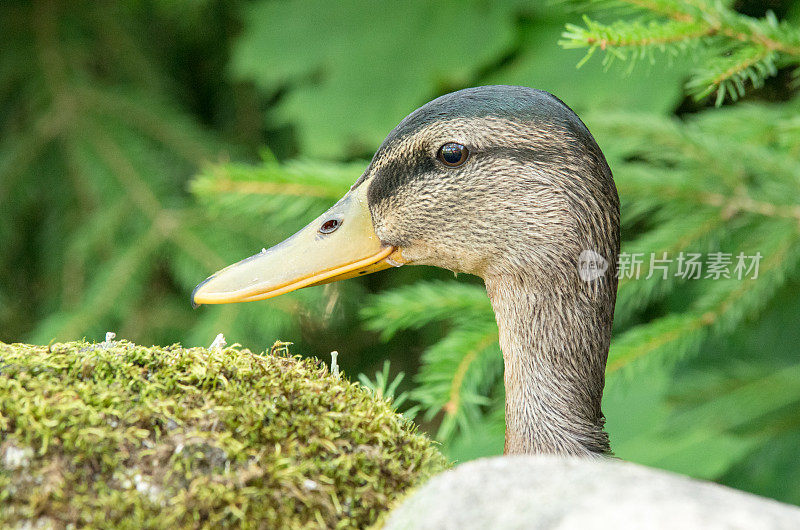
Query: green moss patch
x,y
122,435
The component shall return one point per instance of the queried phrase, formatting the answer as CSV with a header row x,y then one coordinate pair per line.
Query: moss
x,y
116,434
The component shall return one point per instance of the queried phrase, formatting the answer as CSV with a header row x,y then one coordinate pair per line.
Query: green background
x,y
119,120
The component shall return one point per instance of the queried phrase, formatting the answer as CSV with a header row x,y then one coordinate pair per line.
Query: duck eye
x,y
330,226
452,154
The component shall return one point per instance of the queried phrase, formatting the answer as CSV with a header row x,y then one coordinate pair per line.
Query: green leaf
x,y
357,67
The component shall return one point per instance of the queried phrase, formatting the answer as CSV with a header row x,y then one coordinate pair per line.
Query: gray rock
x,y
538,492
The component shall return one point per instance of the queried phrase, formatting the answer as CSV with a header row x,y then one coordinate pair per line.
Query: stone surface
x,y
541,492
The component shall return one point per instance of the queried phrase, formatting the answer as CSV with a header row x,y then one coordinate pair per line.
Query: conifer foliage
x,y
98,142
712,260
735,50
128,174
93,155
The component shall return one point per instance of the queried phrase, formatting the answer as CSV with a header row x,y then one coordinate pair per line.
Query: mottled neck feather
x,y
555,346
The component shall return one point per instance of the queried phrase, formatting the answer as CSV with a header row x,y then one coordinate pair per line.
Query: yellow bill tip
x,y
201,296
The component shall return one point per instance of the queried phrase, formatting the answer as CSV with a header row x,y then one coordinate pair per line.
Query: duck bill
x,y
309,257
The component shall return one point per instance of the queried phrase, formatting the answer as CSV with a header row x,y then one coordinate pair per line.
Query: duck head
x,y
491,181
503,182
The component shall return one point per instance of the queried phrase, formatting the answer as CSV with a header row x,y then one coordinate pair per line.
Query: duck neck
x,y
555,345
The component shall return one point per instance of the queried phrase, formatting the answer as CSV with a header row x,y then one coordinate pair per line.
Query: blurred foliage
x,y
107,110
350,72
94,156
352,55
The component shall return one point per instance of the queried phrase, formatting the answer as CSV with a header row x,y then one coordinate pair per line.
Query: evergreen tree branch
x,y
140,115
696,229
723,310
456,375
123,170
295,178
738,49
649,338
86,241
728,204
456,388
226,185
673,10
416,305
767,33
727,76
136,188
731,410
630,35
15,158
104,294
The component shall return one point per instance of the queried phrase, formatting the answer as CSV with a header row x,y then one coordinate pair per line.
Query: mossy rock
x,y
115,434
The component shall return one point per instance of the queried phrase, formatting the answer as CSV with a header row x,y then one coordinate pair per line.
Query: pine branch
x,y
456,375
282,194
751,399
457,386
106,162
696,228
626,40
18,153
746,148
724,426
160,123
459,370
679,332
104,294
419,304
724,305
739,50
729,75
87,241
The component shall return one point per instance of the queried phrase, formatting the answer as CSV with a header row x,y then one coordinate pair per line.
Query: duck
x,y
505,183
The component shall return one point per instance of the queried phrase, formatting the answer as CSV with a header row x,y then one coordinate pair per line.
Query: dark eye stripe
x,y
397,171
453,154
